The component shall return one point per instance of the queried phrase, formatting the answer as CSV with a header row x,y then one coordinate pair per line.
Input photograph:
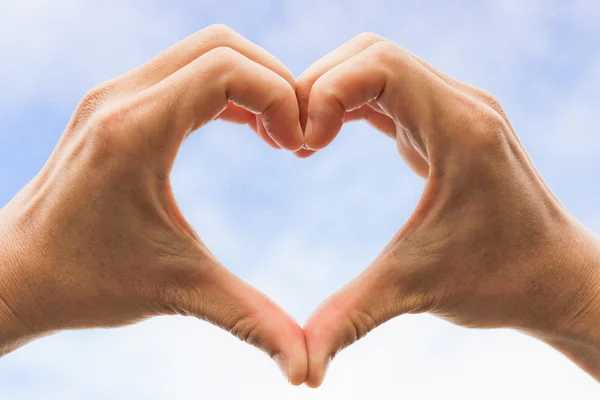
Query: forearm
x,y
576,329
581,342
14,331
585,355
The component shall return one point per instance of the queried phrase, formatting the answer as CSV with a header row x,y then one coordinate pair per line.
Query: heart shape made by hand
x,y
466,253
117,249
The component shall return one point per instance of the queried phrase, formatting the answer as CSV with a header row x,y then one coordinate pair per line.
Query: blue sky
x,y
300,229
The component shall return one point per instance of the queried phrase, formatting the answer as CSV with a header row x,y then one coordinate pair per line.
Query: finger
x,y
348,315
183,53
379,121
414,159
388,76
199,92
376,119
385,124
223,299
490,101
348,50
304,153
238,115
263,134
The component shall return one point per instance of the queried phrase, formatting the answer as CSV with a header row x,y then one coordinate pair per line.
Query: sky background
x,y
300,229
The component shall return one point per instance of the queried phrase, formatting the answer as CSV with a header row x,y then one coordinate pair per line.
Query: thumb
x,y
225,300
371,299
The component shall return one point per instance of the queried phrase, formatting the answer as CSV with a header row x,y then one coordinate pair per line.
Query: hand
x,y
96,238
488,245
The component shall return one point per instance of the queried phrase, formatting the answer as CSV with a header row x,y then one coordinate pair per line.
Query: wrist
x,y
15,330
13,333
572,323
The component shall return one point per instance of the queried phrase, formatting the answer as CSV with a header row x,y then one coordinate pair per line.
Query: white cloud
x,y
297,229
54,51
571,135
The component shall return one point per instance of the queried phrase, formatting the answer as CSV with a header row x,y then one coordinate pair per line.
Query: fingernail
x,y
284,366
308,127
309,134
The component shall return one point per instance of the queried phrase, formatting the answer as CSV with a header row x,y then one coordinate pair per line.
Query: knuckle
x,y
220,33
363,322
177,288
471,134
247,330
360,323
487,128
491,101
490,121
324,88
369,38
92,101
111,130
223,59
111,120
470,115
385,52
329,94
97,94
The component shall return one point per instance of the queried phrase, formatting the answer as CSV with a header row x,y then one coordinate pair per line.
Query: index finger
x,y
183,53
200,91
346,51
387,75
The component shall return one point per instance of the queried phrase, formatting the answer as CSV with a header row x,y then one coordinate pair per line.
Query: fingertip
x,y
264,135
337,323
317,372
321,132
297,137
292,146
256,319
287,347
309,133
299,357
316,377
289,139
304,153
286,344
297,140
319,340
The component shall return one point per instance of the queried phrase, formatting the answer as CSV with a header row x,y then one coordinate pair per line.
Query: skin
x,y
96,238
488,245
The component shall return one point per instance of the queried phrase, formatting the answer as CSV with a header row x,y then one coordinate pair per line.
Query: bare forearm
x,y
581,344
13,333
16,305
585,355
576,333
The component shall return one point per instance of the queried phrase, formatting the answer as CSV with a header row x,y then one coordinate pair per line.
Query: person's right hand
x,y
488,245
96,238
